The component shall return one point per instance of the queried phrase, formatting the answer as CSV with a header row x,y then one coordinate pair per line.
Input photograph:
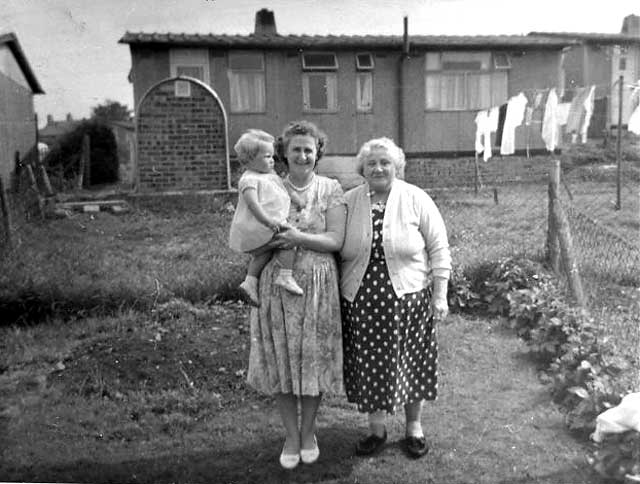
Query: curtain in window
x,y
452,91
465,90
478,91
364,91
247,91
319,91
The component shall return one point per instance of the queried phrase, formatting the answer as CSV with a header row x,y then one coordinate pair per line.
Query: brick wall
x,y
451,172
181,141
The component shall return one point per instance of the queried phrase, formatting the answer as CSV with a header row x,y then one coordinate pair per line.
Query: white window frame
x,y
331,93
236,74
364,100
361,67
438,80
326,67
190,58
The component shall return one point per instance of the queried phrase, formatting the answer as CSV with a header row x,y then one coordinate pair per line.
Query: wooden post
x,y
87,162
83,160
6,214
569,262
495,196
476,181
17,166
619,145
553,247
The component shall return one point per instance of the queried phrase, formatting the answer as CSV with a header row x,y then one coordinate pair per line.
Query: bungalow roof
x,y
277,41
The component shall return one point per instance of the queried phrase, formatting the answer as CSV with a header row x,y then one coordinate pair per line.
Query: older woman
x,y
395,267
296,340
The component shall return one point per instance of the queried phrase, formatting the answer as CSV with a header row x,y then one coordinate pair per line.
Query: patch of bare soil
x,y
181,347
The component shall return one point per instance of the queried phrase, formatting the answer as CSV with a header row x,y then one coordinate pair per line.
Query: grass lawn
x,y
160,398
123,355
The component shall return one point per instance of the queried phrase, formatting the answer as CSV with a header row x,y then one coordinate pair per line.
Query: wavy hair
x,y
300,128
387,144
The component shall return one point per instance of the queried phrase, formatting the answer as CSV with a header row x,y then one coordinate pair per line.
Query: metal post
x,y
619,145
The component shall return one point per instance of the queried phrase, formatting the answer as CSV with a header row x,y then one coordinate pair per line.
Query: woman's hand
x,y
289,237
440,308
439,299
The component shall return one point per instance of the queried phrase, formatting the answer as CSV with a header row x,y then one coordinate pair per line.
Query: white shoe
x,y
289,283
289,461
250,292
309,456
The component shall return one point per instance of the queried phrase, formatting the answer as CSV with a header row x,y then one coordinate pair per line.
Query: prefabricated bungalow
x,y
18,86
422,91
600,59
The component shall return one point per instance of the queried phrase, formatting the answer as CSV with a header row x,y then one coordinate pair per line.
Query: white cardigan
x,y
414,238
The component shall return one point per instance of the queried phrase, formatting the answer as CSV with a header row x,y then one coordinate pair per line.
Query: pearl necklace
x,y
300,189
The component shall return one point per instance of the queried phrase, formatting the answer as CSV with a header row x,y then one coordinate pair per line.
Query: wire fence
x,y
509,219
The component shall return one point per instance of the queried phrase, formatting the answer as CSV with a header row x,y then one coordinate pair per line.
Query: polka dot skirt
x,y
390,349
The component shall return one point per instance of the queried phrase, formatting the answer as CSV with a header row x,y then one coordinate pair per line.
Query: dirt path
x,y
493,423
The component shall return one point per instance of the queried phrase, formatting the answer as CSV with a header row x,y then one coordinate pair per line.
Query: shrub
x,y
63,160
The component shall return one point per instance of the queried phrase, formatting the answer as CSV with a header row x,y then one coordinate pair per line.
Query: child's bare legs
x,y
285,275
250,284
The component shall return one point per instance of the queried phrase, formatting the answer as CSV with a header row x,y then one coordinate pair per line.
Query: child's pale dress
x,y
246,232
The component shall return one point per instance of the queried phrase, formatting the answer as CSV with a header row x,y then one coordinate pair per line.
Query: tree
x,y
111,111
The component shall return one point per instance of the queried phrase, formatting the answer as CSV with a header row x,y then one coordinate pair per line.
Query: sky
x,y
72,45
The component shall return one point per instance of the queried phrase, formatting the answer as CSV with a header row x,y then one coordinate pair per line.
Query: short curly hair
x,y
302,128
387,144
249,144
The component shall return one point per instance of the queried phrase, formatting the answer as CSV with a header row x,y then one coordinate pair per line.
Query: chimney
x,y
265,22
49,119
631,25
69,118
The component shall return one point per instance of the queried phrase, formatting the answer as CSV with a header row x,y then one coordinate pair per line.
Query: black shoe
x,y
371,444
416,447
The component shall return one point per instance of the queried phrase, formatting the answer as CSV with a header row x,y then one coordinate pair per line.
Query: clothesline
x,y
575,115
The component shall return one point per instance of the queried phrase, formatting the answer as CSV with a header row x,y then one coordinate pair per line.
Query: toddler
x,y
263,206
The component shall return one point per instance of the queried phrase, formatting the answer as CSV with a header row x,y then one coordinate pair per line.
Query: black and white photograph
x,y
441,284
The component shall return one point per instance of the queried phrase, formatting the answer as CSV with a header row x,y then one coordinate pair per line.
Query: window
x,y
622,64
501,61
246,82
319,61
364,62
364,92
464,81
190,62
319,92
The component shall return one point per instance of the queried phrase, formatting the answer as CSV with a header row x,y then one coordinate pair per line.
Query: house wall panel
x,y
17,124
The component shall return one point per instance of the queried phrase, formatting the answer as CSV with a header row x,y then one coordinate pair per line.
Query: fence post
x,y
566,243
553,248
619,145
84,161
6,214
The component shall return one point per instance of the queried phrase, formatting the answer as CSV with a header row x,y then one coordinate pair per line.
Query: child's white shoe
x,y
250,292
287,281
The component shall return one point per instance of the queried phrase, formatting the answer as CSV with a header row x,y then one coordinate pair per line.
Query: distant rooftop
x,y
590,37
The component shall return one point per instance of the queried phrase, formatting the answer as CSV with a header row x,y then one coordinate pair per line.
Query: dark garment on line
x,y
502,113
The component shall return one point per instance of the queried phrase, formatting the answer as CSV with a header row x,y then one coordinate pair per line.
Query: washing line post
x,y
619,145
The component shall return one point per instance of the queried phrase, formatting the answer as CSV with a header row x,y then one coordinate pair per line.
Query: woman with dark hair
x,y
296,340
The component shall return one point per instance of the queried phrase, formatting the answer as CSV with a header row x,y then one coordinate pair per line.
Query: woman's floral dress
x,y
296,341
